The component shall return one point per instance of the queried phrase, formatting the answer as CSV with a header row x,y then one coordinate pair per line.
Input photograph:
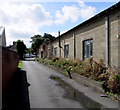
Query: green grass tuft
x,y
20,65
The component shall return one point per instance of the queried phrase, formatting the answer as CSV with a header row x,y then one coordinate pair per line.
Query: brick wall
x,y
9,63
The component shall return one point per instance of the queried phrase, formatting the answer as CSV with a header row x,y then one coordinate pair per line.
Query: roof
x,y
103,13
8,47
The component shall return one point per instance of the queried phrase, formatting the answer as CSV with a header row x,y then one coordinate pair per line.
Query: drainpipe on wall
x,y
74,43
59,45
107,40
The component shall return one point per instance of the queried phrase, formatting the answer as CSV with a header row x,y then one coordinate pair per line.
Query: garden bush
x,y
114,80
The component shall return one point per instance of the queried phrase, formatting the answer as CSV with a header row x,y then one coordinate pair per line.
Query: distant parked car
x,y
32,55
27,55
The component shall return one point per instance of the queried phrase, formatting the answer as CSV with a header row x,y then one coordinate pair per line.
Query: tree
x,y
21,47
48,37
28,50
35,37
38,40
36,44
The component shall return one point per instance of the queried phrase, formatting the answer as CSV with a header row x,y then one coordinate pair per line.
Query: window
x,y
87,48
55,51
66,51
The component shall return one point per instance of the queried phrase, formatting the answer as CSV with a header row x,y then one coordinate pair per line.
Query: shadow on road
x,y
17,94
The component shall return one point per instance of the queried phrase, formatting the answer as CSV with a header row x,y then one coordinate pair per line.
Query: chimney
x,y
14,43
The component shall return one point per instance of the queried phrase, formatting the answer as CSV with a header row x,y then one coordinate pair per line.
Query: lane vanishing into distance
x,y
50,89
43,91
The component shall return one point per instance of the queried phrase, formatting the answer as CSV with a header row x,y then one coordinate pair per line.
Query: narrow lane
x,y
50,89
43,91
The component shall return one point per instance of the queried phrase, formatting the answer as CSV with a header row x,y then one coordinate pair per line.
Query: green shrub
x,y
54,59
114,81
65,63
78,70
68,71
86,68
20,65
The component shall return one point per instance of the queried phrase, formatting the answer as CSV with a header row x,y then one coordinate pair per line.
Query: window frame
x,y
87,44
66,52
55,51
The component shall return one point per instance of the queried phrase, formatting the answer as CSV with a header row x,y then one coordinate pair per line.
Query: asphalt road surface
x,y
45,92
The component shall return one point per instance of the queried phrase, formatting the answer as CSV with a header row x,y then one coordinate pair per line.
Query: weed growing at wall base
x,y
20,65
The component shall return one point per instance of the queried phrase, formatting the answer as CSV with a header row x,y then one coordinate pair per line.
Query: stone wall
x,y
55,44
119,40
67,39
114,40
9,63
96,31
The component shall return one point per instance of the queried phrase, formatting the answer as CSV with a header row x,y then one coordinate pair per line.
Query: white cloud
x,y
73,13
25,39
81,3
68,13
87,12
56,33
23,19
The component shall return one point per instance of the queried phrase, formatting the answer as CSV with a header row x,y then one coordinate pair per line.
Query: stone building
x,y
98,37
13,47
2,36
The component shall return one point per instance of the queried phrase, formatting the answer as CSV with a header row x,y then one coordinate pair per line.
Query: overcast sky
x,y
22,20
